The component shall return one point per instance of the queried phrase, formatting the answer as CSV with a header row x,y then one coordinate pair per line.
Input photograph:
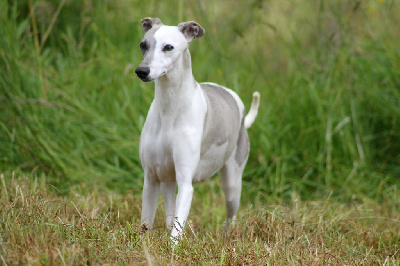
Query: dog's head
x,y
163,45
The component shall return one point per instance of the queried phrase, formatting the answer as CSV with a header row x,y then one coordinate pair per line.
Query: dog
x,y
192,130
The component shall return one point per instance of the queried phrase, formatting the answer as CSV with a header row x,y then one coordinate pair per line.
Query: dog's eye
x,y
143,45
168,47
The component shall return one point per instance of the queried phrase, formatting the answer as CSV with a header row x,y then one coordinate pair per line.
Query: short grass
x,y
40,227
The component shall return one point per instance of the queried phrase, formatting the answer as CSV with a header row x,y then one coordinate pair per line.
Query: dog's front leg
x,y
186,158
168,192
151,190
183,203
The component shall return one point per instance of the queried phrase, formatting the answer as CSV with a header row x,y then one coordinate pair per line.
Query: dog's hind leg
x,y
231,175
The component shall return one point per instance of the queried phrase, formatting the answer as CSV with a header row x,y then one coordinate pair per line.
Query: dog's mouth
x,y
146,79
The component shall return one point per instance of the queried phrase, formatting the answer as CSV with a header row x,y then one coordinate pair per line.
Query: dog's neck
x,y
175,88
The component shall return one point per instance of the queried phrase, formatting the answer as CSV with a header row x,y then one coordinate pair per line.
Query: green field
x,y
322,181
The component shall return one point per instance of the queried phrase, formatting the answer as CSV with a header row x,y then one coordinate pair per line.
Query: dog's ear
x,y
191,30
149,23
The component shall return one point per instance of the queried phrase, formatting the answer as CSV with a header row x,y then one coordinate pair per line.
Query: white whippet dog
x,y
192,130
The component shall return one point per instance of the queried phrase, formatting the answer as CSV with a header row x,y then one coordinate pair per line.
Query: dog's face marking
x,y
161,47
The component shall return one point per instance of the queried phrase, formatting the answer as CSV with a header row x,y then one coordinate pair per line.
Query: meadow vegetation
x,y
43,228
322,181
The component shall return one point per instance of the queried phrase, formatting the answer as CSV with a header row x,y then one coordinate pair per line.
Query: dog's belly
x,y
165,170
210,162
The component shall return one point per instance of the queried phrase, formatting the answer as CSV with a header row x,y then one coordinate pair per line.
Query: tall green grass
x,y
328,73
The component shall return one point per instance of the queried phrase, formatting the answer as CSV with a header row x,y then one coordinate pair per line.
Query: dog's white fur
x,y
192,130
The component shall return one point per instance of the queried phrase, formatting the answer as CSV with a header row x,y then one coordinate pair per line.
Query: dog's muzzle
x,y
142,72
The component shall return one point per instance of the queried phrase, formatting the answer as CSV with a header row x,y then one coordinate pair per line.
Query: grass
x,y
102,227
325,148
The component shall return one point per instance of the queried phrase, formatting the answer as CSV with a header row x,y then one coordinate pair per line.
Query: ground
x,y
39,226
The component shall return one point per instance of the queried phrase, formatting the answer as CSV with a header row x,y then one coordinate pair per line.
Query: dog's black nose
x,y
142,72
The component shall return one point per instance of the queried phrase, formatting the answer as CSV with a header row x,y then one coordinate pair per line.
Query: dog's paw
x,y
144,228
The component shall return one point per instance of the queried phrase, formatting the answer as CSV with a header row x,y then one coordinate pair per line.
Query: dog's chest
x,y
156,151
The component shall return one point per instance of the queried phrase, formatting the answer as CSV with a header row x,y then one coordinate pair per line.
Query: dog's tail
x,y
251,115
